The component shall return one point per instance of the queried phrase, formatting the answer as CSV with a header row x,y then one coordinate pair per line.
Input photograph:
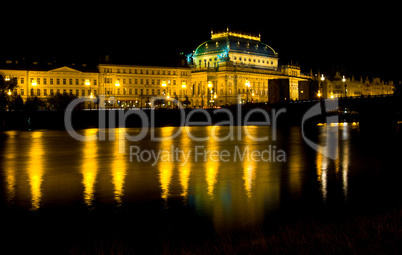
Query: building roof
x,y
235,42
44,64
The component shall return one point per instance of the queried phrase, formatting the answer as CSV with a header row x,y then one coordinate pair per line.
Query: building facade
x,y
234,68
230,68
340,86
44,83
134,86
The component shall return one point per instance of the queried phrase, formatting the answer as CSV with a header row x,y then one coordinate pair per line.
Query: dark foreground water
x,y
61,195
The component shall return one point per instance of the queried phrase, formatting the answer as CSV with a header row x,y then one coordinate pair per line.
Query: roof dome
x,y
235,42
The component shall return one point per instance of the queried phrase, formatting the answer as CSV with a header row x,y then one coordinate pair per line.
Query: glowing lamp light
x,y
183,85
319,94
117,83
91,96
87,83
210,84
7,78
322,77
34,83
163,83
344,79
9,92
247,83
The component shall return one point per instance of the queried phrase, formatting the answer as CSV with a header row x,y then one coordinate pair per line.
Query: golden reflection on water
x,y
185,164
249,167
89,168
119,167
211,164
35,169
323,163
230,192
9,164
165,165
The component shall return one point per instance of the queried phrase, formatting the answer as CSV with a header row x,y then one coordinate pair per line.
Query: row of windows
x,y
141,81
240,59
37,92
142,92
141,71
51,92
254,60
59,81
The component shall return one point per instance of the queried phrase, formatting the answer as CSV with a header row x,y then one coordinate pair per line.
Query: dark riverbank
x,y
287,114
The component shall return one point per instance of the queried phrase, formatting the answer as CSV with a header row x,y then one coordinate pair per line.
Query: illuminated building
x,y
233,65
341,86
134,86
45,81
230,68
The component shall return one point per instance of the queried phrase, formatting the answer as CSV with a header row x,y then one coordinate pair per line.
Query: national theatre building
x,y
230,68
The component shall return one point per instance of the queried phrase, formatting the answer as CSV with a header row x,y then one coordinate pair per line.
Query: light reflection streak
x,y
345,161
185,167
249,167
322,164
119,167
165,166
89,168
10,168
341,163
35,169
211,166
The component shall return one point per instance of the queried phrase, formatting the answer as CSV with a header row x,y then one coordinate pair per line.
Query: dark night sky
x,y
363,40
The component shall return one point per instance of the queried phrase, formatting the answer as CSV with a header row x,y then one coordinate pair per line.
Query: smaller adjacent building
x,y
341,86
46,80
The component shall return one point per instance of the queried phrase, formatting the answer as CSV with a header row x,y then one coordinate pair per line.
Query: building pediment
x,y
65,69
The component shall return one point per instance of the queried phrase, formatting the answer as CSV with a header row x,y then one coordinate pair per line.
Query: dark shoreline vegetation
x,y
379,233
328,231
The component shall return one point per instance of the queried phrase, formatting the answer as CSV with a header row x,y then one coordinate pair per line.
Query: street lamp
x,y
319,94
88,83
9,99
344,81
211,92
33,83
183,86
248,86
116,84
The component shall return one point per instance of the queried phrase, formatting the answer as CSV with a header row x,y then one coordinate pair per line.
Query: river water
x,y
205,179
